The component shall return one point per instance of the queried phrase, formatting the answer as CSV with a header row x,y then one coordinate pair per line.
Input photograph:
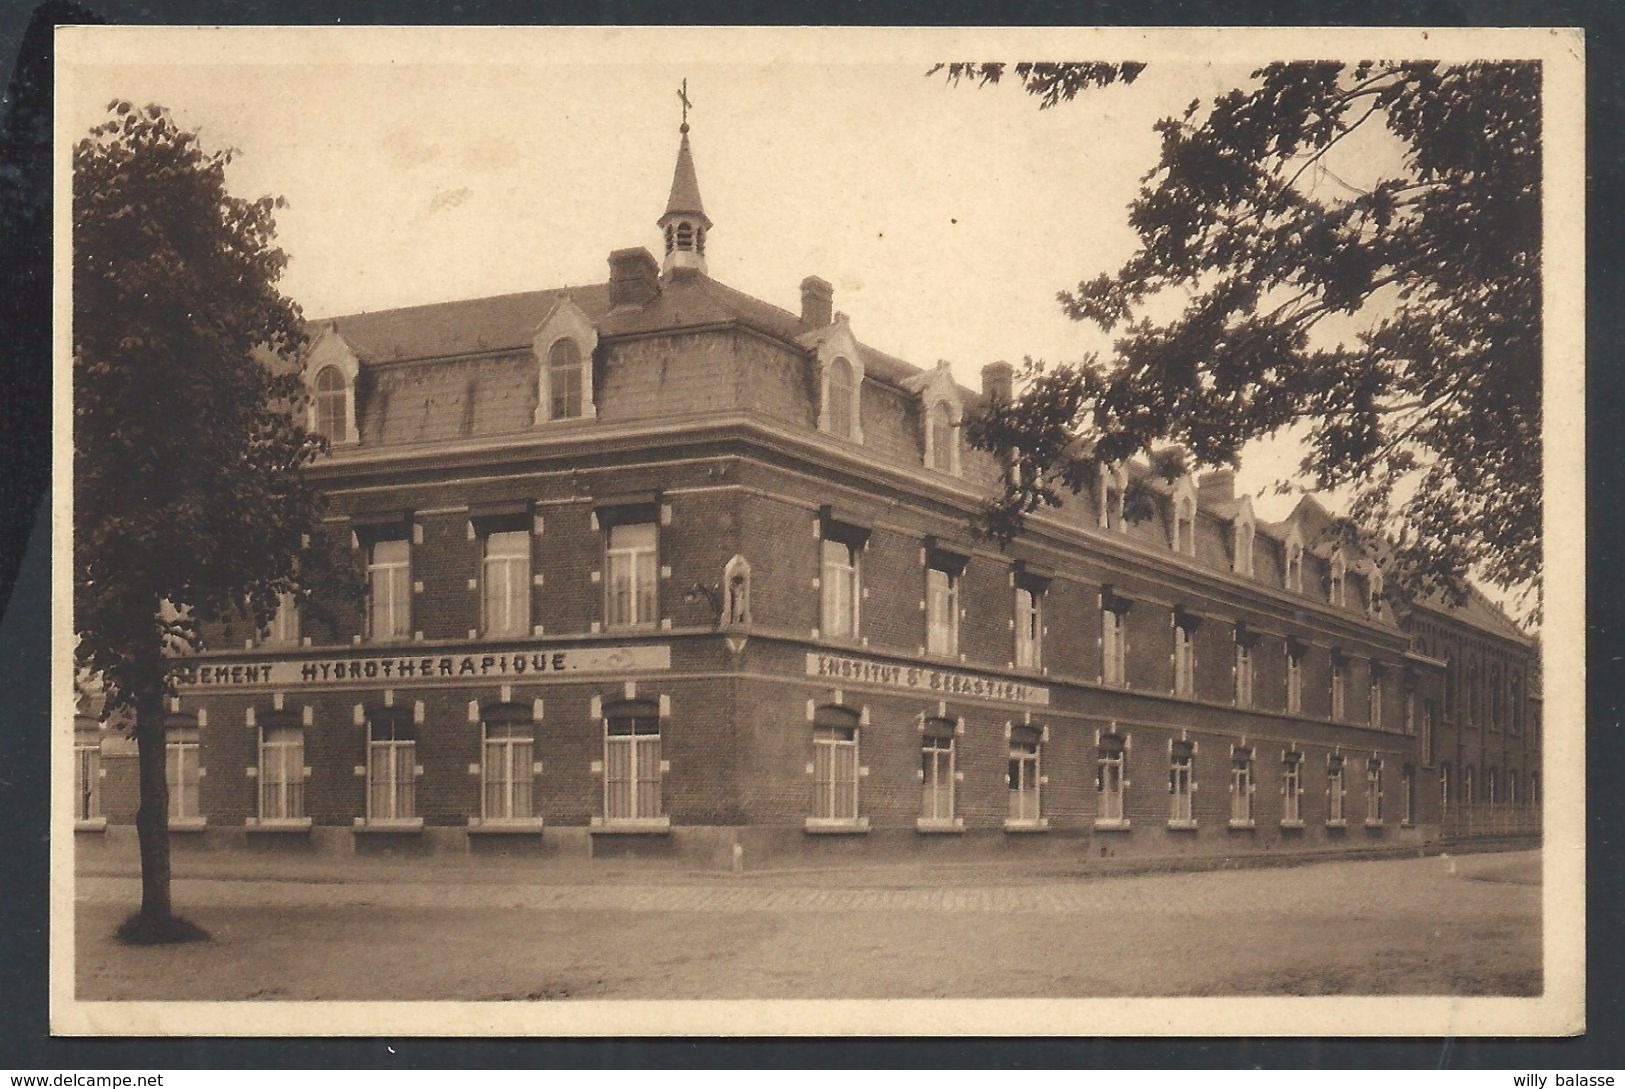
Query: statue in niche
x,y
736,592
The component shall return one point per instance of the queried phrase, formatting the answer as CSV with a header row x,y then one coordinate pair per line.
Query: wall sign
x,y
940,682
451,668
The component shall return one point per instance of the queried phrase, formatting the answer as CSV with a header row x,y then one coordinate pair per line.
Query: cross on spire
x,y
683,95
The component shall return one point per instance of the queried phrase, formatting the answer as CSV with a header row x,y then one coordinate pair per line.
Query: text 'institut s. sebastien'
x,y
656,567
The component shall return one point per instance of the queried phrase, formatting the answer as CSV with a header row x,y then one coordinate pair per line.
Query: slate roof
x,y
465,327
685,186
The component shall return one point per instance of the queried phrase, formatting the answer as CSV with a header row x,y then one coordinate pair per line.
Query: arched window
x,y
564,380
1339,580
838,399
333,405
943,438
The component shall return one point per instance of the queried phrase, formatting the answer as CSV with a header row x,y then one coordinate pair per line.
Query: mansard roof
x,y
465,327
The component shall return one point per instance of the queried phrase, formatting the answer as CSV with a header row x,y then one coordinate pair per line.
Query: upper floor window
x,y
840,399
1430,715
505,582
389,588
1375,716
1515,697
333,405
1113,645
941,610
1294,677
564,380
1495,697
1338,591
1472,692
1029,627
1373,589
284,625
630,557
1184,659
942,439
1340,676
840,584
1244,673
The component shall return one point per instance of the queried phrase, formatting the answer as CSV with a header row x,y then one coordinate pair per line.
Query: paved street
x,y
1433,925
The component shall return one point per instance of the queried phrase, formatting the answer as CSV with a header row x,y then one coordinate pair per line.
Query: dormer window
x,y
1293,575
1373,584
564,383
840,399
1184,536
333,405
1112,485
1244,547
1338,592
941,439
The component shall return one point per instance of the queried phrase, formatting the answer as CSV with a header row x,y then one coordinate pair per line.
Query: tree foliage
x,y
188,450
1395,322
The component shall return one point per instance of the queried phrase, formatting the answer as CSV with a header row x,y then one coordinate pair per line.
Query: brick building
x,y
656,567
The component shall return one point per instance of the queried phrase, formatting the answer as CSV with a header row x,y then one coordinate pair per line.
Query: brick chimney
x,y
1218,486
634,278
998,381
817,302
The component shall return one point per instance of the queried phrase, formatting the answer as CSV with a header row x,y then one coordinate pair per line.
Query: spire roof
x,y
685,185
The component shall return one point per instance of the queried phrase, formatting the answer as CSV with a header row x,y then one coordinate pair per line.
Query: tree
x,y
189,498
1395,321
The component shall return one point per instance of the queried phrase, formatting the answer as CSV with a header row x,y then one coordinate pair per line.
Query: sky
x,y
430,166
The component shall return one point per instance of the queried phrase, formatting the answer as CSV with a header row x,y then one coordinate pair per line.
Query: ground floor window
x,y
391,769
1109,778
87,793
1335,790
937,771
1181,782
505,774
1241,786
632,762
835,765
1023,778
1373,792
1408,790
1292,788
1444,787
181,772
282,773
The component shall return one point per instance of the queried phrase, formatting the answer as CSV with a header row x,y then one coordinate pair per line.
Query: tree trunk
x,y
152,817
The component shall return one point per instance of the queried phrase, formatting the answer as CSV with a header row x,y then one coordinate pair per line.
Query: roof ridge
x,y
454,302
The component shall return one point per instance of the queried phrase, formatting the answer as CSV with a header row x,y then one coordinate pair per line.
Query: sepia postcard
x,y
811,531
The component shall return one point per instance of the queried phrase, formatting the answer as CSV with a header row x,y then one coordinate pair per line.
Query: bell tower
x,y
684,224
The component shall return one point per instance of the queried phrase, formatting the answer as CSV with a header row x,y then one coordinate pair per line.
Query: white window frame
x,y
512,776
1111,766
1292,789
1292,576
281,772
505,582
1338,591
1181,785
1184,539
321,406
1024,781
1294,682
1339,682
1244,674
1242,785
638,561
1245,534
841,419
840,587
389,591
283,630
1029,623
399,757
1374,715
1113,649
87,787
553,367
1113,486
1373,793
941,611
1184,661
938,754
836,765
644,763
182,769
936,431
1336,791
